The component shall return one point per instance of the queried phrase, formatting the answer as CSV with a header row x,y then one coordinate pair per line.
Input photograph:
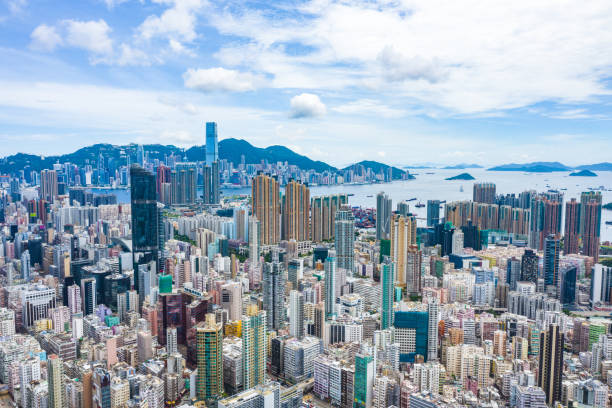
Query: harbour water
x,y
431,184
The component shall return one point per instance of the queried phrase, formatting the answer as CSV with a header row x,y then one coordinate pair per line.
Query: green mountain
x,y
583,173
596,167
377,167
229,149
462,176
535,167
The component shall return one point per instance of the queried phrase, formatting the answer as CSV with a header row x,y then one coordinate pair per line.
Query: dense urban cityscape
x,y
187,297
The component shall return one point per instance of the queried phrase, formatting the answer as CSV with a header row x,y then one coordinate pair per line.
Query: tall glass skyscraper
x,y
145,222
387,278
383,216
274,290
211,170
345,238
212,145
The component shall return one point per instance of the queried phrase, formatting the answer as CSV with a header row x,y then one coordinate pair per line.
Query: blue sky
x,y
404,82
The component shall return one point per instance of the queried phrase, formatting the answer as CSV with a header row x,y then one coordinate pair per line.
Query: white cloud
x,y
177,22
307,105
132,56
91,36
45,38
398,67
111,4
369,107
220,79
16,6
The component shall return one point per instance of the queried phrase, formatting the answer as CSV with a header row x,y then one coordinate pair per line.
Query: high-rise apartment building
x,y
364,381
323,215
48,185
546,211
55,375
331,283
387,279
383,216
183,184
345,238
145,219
266,207
296,212
551,363
296,314
403,236
254,349
592,228
484,193
209,346
571,242
273,294
552,251
529,266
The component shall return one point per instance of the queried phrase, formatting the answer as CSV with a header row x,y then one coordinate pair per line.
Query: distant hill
x,y
583,173
535,167
462,176
229,149
377,167
463,166
605,166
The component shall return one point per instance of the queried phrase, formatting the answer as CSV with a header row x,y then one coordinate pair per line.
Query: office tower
x,y
323,215
403,236
433,316
364,381
171,340
387,278
529,266
601,285
552,250
546,211
265,197
345,238
231,299
253,349
551,363
433,212
55,379
457,242
513,272
273,294
484,193
36,303
383,216
296,314
471,236
89,295
101,379
412,333
74,299
145,219
295,271
567,285
296,212
145,346
48,185
572,227
209,345
592,228
330,287
211,169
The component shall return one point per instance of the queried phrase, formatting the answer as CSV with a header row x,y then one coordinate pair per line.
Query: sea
x,y
430,184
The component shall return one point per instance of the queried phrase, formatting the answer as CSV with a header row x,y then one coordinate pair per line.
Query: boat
x,y
368,196
420,205
411,199
608,222
461,189
350,194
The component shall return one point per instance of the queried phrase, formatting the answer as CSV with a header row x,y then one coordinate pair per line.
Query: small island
x,y
583,173
462,176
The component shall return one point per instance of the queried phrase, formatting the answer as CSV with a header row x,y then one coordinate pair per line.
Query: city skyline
x,y
114,71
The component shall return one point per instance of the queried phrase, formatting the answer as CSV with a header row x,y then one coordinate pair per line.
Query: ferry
x,y
420,205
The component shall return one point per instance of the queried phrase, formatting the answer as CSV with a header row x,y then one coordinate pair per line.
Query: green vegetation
x,y
184,238
416,298
606,261
241,257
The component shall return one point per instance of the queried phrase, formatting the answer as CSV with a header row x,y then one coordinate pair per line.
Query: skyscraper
x,y
433,316
273,294
145,219
89,295
387,278
266,207
296,212
551,363
254,240
513,272
296,314
572,227
529,266
364,381
345,238
48,185
433,212
552,251
209,346
253,349
55,374
330,287
323,216
211,169
183,183
383,216
403,236
484,193
546,213
592,228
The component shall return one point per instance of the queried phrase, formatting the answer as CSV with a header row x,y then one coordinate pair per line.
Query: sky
x,y
404,82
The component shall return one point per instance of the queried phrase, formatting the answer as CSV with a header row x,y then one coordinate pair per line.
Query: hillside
x,y
377,167
535,167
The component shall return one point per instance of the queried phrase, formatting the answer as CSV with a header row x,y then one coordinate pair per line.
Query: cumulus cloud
x,y
92,36
399,67
45,38
220,79
307,105
177,22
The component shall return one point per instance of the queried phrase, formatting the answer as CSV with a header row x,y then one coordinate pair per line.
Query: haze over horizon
x,y
397,82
